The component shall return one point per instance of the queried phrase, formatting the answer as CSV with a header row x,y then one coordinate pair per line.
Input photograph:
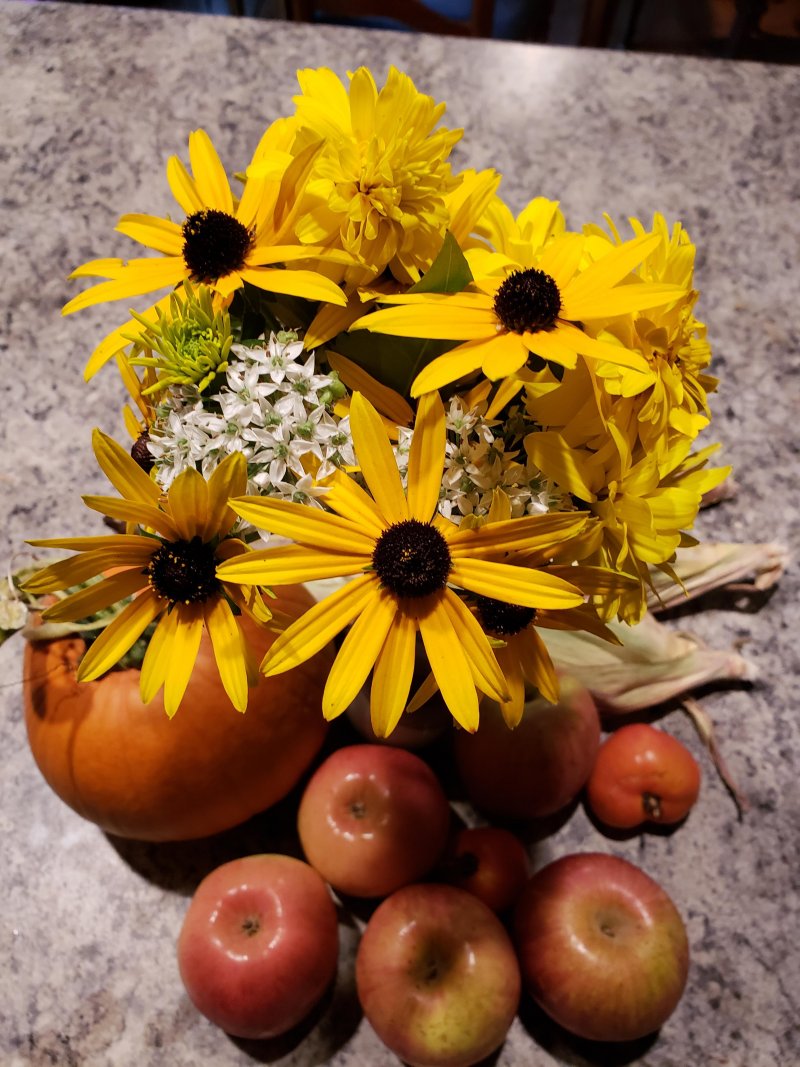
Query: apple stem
x,y
458,867
651,803
251,925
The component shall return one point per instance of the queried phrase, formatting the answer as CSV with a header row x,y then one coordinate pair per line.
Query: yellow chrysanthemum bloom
x,y
645,503
171,576
378,185
505,318
222,242
672,394
405,560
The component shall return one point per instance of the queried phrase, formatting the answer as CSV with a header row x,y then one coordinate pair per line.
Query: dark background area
x,y
742,29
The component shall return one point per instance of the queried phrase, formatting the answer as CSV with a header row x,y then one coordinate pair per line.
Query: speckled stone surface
x,y
92,101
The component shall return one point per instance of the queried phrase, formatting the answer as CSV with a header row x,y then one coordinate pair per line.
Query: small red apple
x,y
437,976
602,947
489,862
372,819
259,944
538,767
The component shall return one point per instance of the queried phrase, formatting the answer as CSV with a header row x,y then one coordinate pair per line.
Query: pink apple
x,y
602,948
373,818
538,767
489,862
437,976
259,944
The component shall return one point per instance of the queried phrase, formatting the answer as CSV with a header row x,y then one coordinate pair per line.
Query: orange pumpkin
x,y
127,767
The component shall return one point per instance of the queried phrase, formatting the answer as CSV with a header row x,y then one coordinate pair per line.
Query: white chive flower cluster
x,y
273,407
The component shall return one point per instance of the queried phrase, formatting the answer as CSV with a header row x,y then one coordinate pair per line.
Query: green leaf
x,y
449,272
393,361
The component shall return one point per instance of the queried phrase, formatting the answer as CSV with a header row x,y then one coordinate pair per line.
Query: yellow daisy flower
x,y
222,242
503,319
170,574
378,186
405,560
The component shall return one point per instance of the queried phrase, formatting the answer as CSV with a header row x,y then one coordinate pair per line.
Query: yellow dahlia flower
x,y
379,184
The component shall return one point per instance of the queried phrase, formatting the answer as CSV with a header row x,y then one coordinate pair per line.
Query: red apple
x,y
538,767
437,976
259,944
489,862
602,948
372,819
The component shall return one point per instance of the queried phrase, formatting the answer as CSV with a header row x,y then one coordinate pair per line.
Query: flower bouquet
x,y
388,443
470,433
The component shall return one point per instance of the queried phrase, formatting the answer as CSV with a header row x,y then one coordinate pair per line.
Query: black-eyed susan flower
x,y
405,562
222,242
536,309
169,571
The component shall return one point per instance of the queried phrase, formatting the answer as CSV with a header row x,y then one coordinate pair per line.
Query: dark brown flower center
x,y
412,559
141,452
214,244
528,300
501,619
184,571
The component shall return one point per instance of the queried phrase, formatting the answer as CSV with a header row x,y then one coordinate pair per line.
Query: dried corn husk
x,y
652,664
743,568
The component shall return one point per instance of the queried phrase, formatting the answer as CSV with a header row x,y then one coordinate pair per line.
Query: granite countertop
x,y
93,101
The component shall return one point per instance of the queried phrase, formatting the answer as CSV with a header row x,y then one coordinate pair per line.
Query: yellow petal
x,y
449,665
526,531
486,672
448,368
358,653
161,234
346,497
228,479
136,512
391,679
377,460
319,625
157,657
209,174
566,466
185,644
227,642
388,402
537,664
137,277
514,585
98,596
426,458
561,259
290,565
81,568
513,707
187,503
183,186
552,346
601,275
122,471
433,320
623,300
304,283
308,526
119,636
